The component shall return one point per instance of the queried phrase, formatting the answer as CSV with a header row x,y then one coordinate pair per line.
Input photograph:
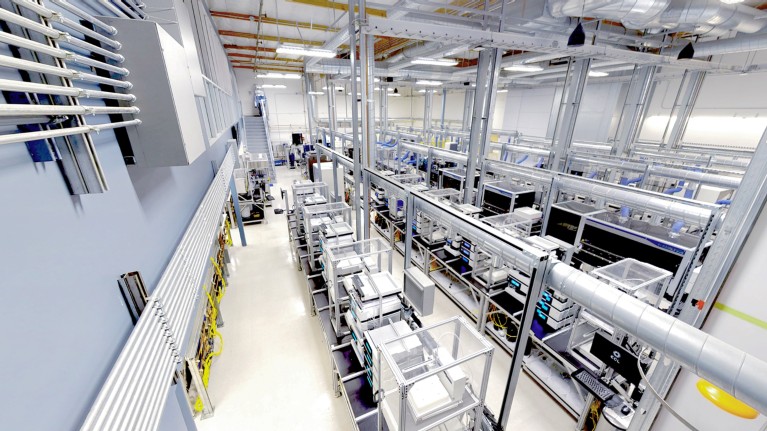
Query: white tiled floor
x,y
274,371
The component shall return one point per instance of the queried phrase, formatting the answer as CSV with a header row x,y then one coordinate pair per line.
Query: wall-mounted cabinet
x,y
171,133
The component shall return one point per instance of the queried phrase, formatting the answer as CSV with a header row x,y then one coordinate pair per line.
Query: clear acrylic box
x,y
644,281
435,376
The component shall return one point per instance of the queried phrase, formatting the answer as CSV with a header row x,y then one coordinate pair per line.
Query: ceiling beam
x,y
268,38
260,57
249,48
269,69
329,4
273,21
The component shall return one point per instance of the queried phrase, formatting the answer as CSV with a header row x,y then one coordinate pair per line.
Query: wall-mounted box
x,y
171,132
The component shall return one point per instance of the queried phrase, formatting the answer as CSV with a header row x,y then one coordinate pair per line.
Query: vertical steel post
x,y
688,92
442,114
237,213
310,99
332,121
577,75
367,63
356,147
633,112
427,99
384,108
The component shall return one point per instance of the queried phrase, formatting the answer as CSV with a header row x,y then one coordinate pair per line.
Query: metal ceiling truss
x,y
486,38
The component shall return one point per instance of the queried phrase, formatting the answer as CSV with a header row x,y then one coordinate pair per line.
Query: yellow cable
x,y
228,232
221,276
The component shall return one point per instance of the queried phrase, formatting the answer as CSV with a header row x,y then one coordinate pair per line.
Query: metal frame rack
x,y
319,217
338,261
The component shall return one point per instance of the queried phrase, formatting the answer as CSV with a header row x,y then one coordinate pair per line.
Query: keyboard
x,y
593,384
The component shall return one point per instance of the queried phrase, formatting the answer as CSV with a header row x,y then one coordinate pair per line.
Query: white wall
x,y
287,109
742,291
731,110
534,111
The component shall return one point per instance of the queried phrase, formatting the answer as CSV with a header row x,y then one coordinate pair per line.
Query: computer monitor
x,y
619,359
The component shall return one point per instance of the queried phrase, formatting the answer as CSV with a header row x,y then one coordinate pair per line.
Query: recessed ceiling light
x,y
374,79
272,86
597,74
435,61
395,95
426,82
308,52
523,68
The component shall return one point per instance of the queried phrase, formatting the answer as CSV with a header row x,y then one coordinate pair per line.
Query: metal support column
x,y
442,113
332,121
367,63
356,147
488,69
634,108
688,92
384,107
310,101
427,100
577,75
468,108
237,213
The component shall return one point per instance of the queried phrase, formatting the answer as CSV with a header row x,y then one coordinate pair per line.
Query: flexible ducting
x,y
737,372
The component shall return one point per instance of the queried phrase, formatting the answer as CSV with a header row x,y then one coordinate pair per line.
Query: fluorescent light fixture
x,y
435,61
272,86
308,52
731,1
279,75
597,74
390,89
502,91
422,91
395,95
374,79
431,83
523,68
316,93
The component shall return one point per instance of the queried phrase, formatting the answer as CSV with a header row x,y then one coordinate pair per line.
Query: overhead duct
x,y
694,16
733,370
632,13
728,46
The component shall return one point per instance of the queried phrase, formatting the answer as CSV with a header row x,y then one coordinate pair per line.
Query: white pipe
x,y
85,15
9,110
56,34
737,372
47,134
66,37
112,8
86,31
21,42
33,66
34,7
30,87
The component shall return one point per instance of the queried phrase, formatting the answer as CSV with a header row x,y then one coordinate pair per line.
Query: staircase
x,y
258,143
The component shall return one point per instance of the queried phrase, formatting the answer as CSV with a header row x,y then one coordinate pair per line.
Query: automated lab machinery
x,y
455,178
502,197
326,224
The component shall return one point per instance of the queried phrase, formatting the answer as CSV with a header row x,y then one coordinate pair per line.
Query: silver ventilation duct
x,y
737,372
696,16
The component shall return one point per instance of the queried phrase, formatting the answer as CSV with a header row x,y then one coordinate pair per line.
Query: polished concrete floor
x,y
274,371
